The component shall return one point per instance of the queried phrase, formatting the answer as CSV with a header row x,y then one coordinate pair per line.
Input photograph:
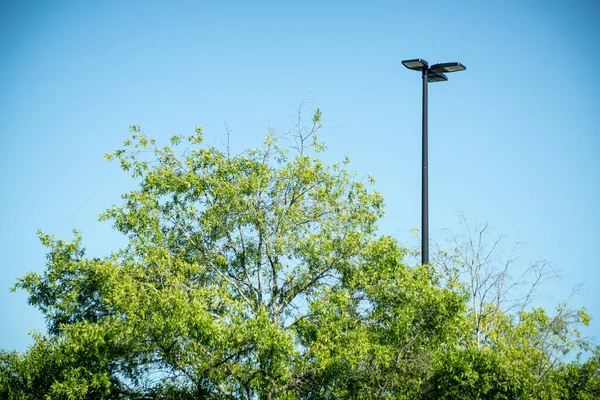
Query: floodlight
x,y
417,64
447,67
436,77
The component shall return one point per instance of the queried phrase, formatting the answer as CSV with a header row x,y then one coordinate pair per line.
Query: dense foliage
x,y
263,276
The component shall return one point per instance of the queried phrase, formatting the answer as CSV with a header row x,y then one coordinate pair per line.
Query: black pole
x,y
424,183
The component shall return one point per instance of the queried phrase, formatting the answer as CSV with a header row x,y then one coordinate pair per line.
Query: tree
x,y
576,380
259,275
512,349
262,275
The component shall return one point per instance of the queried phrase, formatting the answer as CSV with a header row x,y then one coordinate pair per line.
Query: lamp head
x,y
417,64
436,77
447,67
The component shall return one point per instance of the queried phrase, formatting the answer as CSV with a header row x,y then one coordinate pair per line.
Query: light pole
x,y
435,73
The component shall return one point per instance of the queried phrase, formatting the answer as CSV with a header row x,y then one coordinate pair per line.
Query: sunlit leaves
x,y
263,275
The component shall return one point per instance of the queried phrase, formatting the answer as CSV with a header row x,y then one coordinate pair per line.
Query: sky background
x,y
513,141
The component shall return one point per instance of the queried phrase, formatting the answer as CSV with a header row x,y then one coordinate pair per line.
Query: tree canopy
x,y
263,275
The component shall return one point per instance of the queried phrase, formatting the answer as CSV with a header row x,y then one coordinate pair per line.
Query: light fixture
x,y
447,67
416,64
436,77
435,73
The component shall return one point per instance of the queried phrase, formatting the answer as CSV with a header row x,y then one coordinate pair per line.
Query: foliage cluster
x,y
263,276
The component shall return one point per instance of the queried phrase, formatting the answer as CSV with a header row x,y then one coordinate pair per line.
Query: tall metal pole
x,y
437,73
424,183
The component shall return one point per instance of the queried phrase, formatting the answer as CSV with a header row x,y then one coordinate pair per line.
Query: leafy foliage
x,y
262,275
473,373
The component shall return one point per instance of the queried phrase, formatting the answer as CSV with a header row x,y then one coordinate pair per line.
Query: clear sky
x,y
514,140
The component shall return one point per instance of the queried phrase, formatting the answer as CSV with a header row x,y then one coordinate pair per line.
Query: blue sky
x,y
513,140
